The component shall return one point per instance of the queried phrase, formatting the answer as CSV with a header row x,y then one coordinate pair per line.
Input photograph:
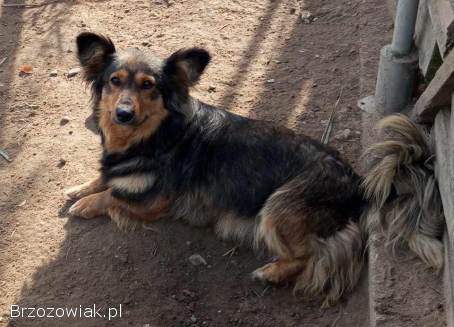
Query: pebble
x,y
193,319
73,72
61,163
307,17
270,80
64,120
343,135
197,260
53,73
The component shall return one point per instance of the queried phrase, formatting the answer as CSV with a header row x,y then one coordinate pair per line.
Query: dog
x,y
169,155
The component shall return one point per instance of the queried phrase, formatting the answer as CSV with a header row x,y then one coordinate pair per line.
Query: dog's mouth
x,y
132,123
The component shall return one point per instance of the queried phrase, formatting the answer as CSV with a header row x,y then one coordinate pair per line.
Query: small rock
x,y
343,135
53,73
211,89
73,72
64,120
270,81
61,163
197,260
324,121
307,17
193,319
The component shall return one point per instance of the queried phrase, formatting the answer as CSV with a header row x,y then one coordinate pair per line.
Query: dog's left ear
x,y
95,53
186,65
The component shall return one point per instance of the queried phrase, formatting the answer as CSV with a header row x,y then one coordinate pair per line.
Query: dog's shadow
x,y
149,273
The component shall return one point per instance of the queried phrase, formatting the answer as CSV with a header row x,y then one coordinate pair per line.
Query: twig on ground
x,y
3,60
31,5
5,155
329,127
337,319
67,252
148,227
230,252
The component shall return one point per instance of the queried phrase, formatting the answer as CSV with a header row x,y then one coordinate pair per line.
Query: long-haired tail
x,y
400,184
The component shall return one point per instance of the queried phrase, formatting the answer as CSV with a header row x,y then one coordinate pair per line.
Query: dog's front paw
x,y
264,274
87,207
76,192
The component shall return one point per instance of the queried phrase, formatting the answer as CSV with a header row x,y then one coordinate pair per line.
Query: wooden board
x,y
448,278
444,137
426,41
437,94
442,18
445,166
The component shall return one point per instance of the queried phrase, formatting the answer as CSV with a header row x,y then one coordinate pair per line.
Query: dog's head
x,y
134,93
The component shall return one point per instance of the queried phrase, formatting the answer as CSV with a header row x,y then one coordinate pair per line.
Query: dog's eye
x,y
115,81
147,84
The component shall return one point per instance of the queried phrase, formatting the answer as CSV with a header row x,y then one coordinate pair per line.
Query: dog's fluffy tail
x,y
335,264
400,183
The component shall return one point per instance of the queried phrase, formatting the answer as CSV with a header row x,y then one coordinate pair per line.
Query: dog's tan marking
x,y
142,77
94,186
133,183
279,271
92,206
122,74
126,215
149,111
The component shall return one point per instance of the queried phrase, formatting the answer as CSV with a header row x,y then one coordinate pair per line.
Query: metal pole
x,y
404,27
398,63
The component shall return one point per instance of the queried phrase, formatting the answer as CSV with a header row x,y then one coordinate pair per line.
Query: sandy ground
x,y
267,64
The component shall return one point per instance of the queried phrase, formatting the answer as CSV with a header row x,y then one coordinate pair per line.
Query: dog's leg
x,y
94,186
279,271
129,217
126,216
93,205
285,237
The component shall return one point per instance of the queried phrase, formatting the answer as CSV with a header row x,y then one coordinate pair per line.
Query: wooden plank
x,y
442,18
437,93
426,42
444,166
448,279
444,138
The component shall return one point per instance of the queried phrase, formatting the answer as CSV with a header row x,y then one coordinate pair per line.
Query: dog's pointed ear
x,y
94,53
186,65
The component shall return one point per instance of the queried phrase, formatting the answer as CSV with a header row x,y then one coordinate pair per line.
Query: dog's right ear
x,y
95,53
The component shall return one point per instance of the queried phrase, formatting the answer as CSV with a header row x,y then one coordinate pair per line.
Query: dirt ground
x,y
268,64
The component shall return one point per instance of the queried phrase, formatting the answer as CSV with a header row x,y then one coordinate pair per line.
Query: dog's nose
x,y
124,114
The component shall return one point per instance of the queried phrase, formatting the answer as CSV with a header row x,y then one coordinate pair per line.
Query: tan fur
x,y
148,109
279,271
334,266
94,186
133,183
237,229
329,266
125,215
403,161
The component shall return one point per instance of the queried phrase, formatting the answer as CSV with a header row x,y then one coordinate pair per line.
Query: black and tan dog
x,y
166,154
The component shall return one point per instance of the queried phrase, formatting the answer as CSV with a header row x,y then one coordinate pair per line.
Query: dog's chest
x,y
131,177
